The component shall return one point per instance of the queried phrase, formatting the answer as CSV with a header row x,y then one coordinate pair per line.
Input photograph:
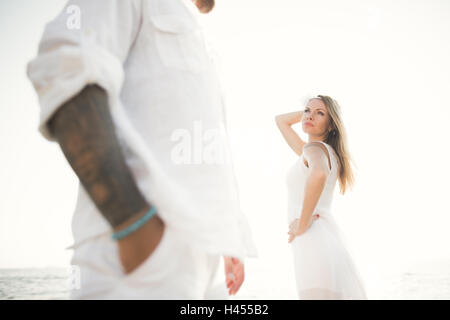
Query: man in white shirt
x,y
119,83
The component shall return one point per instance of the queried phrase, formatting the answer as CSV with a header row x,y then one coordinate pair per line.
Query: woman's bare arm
x,y
284,123
318,171
317,156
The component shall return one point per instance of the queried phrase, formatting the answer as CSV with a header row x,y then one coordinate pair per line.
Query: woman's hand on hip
x,y
297,229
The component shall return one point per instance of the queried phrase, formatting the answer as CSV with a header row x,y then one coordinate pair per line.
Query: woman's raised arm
x,y
284,123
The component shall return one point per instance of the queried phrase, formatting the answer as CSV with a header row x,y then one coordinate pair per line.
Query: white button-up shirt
x,y
167,107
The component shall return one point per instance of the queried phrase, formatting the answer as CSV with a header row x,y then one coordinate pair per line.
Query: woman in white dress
x,y
323,267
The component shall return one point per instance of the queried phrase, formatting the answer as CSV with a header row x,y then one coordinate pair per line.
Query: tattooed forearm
x,y
84,129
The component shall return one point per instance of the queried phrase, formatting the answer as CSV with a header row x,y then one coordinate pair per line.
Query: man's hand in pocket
x,y
139,245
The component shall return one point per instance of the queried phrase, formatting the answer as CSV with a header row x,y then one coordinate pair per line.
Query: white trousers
x,y
175,270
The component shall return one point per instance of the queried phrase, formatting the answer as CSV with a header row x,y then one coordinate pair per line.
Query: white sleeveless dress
x,y
323,267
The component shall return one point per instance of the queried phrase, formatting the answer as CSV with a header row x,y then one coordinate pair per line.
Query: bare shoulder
x,y
315,144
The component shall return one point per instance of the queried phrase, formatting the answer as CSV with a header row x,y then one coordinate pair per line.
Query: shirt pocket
x,y
179,42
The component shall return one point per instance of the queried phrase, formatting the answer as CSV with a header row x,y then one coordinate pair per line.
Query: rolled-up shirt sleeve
x,y
73,54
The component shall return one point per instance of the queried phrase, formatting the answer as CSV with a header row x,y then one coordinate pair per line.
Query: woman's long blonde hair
x,y
337,138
